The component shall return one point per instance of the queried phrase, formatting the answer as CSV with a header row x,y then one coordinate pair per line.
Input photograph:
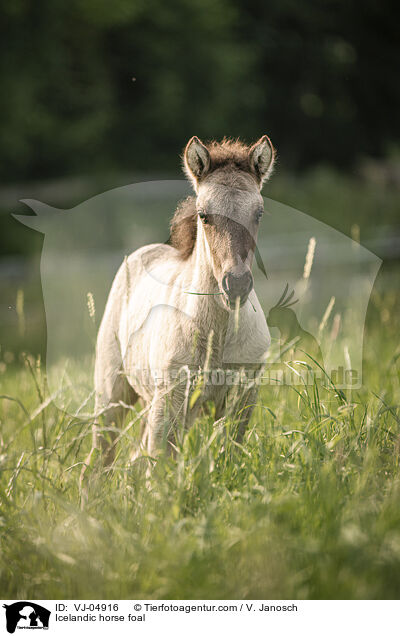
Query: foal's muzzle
x,y
237,286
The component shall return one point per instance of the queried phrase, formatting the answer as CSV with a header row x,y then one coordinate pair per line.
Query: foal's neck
x,y
209,309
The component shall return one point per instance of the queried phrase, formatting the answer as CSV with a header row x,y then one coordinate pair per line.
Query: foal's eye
x,y
203,216
259,214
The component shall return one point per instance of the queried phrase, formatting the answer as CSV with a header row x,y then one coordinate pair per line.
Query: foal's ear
x,y
196,160
261,158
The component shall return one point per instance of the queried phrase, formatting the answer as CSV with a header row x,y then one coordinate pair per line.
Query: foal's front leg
x,y
239,404
157,433
244,410
158,427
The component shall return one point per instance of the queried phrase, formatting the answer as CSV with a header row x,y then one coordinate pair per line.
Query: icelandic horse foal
x,y
189,304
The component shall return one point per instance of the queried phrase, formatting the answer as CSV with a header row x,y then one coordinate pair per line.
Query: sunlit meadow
x,y
307,507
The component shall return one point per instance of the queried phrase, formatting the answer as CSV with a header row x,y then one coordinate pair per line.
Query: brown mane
x,y
183,228
229,153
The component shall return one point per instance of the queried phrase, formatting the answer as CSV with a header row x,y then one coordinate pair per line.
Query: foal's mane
x,y
229,153
183,227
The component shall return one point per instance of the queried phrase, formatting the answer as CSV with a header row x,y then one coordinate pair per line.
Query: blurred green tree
x,y
319,76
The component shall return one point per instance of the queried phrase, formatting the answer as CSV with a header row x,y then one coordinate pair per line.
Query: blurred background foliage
x,y
97,94
90,85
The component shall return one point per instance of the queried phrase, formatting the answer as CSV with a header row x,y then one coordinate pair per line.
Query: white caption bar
x,y
149,617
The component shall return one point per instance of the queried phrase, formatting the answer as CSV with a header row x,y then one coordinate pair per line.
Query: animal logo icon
x,y
26,615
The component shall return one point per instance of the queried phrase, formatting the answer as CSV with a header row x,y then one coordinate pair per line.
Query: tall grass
x,y
307,507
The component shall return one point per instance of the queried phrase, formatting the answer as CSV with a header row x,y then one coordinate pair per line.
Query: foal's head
x,y
228,178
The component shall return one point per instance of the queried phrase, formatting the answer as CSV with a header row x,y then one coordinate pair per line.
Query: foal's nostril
x,y
225,283
249,282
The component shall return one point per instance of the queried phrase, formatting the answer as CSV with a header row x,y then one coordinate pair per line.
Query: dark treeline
x,y
319,76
